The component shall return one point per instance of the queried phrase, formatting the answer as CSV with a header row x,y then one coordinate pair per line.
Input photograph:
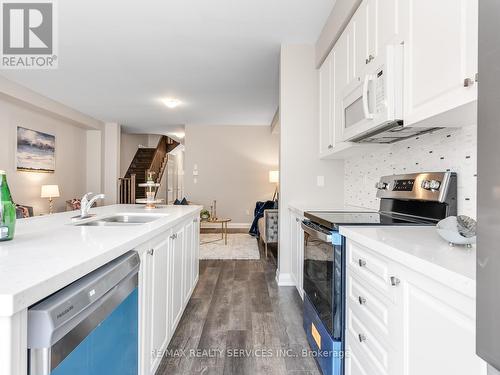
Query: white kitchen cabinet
x,y
360,25
168,275
325,72
153,302
440,53
177,279
383,27
196,252
297,251
410,325
188,266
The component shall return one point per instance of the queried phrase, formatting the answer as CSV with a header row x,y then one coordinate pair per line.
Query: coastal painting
x,y
35,151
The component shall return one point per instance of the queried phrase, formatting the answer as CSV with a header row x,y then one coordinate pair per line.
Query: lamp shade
x,y
274,177
50,191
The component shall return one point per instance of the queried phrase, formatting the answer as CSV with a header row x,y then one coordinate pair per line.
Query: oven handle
x,y
316,234
366,109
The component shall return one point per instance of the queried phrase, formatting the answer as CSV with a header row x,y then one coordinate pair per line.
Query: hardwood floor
x,y
238,322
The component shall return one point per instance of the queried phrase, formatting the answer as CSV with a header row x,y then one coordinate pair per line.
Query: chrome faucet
x,y
86,205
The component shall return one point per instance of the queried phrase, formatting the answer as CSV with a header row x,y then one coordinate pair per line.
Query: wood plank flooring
x,y
240,322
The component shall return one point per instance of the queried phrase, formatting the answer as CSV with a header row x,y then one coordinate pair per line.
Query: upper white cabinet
x,y
441,51
360,25
439,40
326,140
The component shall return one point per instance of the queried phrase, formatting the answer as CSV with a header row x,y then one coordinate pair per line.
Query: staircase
x,y
145,160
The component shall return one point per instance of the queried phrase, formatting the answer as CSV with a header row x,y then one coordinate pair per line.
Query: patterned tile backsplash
x,y
452,149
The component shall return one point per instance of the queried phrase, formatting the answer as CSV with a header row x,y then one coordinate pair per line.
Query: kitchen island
x,y
50,252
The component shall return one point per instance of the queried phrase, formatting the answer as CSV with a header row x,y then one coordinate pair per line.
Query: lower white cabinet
x,y
407,324
297,251
168,275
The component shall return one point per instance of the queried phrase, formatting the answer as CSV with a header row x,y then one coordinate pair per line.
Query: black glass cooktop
x,y
332,220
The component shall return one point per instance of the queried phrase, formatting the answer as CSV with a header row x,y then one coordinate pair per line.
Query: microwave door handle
x,y
366,108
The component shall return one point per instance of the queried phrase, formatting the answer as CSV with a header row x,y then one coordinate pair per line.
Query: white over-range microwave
x,y
375,99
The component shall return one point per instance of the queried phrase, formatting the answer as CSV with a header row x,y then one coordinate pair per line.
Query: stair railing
x,y
157,165
127,189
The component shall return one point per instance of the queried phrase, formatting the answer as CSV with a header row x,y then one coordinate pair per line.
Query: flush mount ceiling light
x,y
171,102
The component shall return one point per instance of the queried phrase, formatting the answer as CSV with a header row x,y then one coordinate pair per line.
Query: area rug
x,y
239,246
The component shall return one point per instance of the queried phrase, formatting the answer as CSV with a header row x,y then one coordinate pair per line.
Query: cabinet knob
x,y
362,300
330,147
195,220
151,251
361,337
361,262
395,281
297,219
369,59
468,82
173,236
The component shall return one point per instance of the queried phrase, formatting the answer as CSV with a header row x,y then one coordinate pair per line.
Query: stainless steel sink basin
x,y
122,220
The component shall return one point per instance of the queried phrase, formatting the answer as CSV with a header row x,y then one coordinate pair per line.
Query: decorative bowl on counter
x,y
452,230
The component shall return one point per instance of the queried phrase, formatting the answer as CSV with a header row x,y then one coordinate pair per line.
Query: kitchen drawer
x,y
373,269
377,311
357,364
369,343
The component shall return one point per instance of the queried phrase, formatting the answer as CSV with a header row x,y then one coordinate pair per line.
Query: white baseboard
x,y
284,279
229,225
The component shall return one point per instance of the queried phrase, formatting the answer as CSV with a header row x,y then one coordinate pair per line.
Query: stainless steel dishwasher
x,y
89,327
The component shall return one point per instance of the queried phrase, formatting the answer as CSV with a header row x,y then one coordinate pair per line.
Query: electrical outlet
x,y
195,180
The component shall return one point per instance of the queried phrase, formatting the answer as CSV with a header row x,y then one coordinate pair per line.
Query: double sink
x,y
122,220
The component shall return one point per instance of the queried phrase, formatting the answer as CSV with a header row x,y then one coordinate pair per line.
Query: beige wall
x,y
129,145
71,159
299,147
233,164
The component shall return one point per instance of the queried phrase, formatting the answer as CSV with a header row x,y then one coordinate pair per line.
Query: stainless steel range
x,y
409,199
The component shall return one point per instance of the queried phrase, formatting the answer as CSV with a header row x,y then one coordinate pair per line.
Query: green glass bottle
x,y
7,210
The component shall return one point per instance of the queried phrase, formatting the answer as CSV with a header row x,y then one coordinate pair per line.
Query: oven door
x,y
324,276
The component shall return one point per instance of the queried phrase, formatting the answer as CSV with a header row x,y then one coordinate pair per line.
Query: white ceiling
x,y
118,58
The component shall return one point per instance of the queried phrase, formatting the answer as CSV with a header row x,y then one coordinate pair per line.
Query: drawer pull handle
x,y
362,300
361,262
395,281
173,236
361,337
151,252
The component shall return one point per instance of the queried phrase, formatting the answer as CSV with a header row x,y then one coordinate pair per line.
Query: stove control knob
x,y
381,185
434,184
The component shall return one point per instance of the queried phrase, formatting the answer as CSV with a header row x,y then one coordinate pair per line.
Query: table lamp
x,y
50,191
274,178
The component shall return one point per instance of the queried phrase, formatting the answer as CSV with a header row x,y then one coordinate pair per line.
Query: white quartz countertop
x,y
422,249
300,209
49,252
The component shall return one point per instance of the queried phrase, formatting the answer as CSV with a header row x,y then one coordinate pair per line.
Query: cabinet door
x,y
440,53
439,338
158,269
300,257
177,270
360,26
341,80
196,250
383,26
189,258
325,113
293,247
